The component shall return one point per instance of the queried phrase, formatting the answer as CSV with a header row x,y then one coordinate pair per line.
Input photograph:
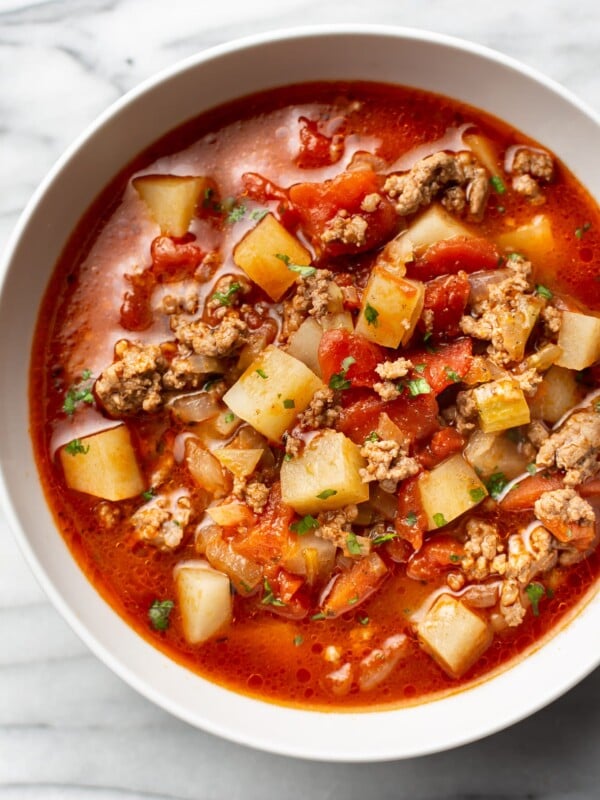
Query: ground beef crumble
x,y
321,412
346,228
336,525
133,383
574,447
221,341
388,463
160,526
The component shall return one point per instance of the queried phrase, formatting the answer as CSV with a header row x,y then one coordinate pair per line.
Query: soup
x,y
315,394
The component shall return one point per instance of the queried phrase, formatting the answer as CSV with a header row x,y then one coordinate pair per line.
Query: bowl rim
x,y
297,716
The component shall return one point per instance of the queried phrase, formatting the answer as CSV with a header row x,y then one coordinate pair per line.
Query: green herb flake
x,y
268,598
373,437
418,386
531,468
318,616
496,483
535,592
597,406
289,403
287,457
353,545
454,558
543,291
302,270
261,373
298,640
229,417
76,447
580,232
159,613
363,620
439,520
148,494
80,392
452,375
371,315
236,213
224,298
259,213
477,494
326,493
353,600
411,518
338,381
420,368
304,525
383,538
497,184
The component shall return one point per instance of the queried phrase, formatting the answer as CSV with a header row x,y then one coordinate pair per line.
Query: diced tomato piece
x,y
174,260
411,522
337,345
318,203
316,149
288,585
449,256
267,541
525,493
590,488
448,364
415,416
353,587
262,189
446,298
439,554
442,445
399,550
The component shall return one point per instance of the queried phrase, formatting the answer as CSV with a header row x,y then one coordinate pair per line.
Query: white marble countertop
x,y
68,727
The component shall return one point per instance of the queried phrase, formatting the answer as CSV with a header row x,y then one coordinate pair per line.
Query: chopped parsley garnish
x,y
411,518
259,213
298,640
209,384
497,184
326,493
543,291
301,269
580,232
420,368
383,538
496,483
371,315
452,375
454,558
262,374
535,592
76,447
236,213
269,598
531,468
148,494
338,381
373,437
439,520
353,545
159,613
304,525
320,615
477,494
597,406
287,457
353,600
224,298
418,386
229,417
289,403
428,346
363,620
80,392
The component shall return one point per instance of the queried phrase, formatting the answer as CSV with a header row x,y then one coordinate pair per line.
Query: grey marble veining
x,y
68,727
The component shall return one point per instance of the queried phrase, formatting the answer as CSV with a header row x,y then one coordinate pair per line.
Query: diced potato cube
x,y
204,600
579,338
103,465
488,453
390,309
272,392
324,476
171,199
557,393
450,489
501,405
304,344
341,320
453,635
484,151
433,226
516,325
535,240
257,254
239,462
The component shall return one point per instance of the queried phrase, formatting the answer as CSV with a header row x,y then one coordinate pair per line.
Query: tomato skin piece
x,y
440,366
415,416
446,298
336,345
318,203
443,444
439,554
409,509
469,254
524,494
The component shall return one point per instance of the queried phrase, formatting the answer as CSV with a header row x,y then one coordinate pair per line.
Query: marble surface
x,y
68,727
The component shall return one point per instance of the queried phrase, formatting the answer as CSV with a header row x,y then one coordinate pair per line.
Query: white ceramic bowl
x,y
470,73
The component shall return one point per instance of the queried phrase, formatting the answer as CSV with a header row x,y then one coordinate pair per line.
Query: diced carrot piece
x,y
525,493
353,587
439,554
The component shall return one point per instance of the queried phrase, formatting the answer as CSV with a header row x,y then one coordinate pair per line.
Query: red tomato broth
x,y
79,324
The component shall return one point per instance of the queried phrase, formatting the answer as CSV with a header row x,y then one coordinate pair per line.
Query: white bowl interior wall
x,y
467,72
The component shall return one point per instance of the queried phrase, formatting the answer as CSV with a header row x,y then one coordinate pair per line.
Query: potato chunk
x,y
453,635
204,600
501,405
271,393
579,338
103,465
391,307
171,199
494,452
324,476
257,254
449,490
535,239
433,226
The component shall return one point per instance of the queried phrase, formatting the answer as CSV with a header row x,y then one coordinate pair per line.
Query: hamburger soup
x,y
315,394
